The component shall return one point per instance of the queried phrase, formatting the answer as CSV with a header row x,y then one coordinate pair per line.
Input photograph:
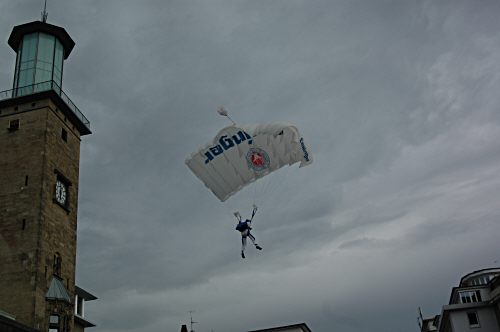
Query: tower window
x,y
13,125
79,306
473,319
53,323
57,264
64,135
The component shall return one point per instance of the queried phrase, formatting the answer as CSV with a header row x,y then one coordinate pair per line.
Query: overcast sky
x,y
398,101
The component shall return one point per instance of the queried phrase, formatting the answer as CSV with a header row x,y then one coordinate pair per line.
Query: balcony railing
x,y
45,86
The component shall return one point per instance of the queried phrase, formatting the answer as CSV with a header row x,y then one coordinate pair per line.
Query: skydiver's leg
x,y
243,244
251,237
253,241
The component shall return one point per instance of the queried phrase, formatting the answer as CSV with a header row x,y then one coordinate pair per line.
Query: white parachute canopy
x,y
239,155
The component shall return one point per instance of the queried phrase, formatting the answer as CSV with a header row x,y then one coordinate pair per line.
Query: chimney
x,y
184,328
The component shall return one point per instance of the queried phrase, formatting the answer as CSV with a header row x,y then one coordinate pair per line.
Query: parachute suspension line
x,y
254,197
258,180
270,187
263,182
222,111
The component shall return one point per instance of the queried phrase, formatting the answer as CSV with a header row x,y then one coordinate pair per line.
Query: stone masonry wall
x,y
33,227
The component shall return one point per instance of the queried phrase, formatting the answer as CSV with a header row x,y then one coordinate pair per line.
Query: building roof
x,y
84,294
83,322
468,276
302,326
57,291
20,30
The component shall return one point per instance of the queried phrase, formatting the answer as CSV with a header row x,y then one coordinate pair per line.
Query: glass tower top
x,y
41,49
39,59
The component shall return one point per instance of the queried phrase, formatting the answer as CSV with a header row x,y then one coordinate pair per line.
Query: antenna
x,y
44,13
192,322
420,318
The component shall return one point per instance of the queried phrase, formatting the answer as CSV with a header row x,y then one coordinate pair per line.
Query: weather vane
x,y
44,13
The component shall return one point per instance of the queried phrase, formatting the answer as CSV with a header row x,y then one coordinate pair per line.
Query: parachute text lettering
x,y
226,143
306,155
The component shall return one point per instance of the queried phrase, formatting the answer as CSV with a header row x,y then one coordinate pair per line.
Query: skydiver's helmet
x,y
248,220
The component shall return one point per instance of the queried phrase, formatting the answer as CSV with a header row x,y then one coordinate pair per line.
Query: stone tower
x,y
40,131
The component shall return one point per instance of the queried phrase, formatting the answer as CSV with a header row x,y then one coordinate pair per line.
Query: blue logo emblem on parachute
x,y
226,143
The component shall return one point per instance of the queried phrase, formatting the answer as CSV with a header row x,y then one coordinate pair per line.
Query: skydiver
x,y
244,228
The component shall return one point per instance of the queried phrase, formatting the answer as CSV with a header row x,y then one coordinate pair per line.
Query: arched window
x,y
57,264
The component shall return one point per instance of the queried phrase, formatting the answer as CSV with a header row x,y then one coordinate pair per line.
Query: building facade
x,y
40,133
474,305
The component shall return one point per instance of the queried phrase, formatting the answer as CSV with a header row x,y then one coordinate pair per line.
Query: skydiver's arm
x,y
254,211
238,216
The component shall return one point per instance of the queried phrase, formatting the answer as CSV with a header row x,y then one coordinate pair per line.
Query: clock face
x,y
61,192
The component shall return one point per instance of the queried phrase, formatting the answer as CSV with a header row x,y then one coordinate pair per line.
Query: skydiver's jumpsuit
x,y
244,228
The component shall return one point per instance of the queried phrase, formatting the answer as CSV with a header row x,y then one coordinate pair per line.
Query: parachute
x,y
240,155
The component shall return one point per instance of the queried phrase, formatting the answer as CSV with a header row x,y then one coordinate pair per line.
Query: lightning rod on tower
x,y
44,13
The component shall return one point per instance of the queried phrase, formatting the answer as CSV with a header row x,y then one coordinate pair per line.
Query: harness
x,y
242,226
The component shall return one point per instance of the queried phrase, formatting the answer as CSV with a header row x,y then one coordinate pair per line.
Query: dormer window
x,y
470,296
482,280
